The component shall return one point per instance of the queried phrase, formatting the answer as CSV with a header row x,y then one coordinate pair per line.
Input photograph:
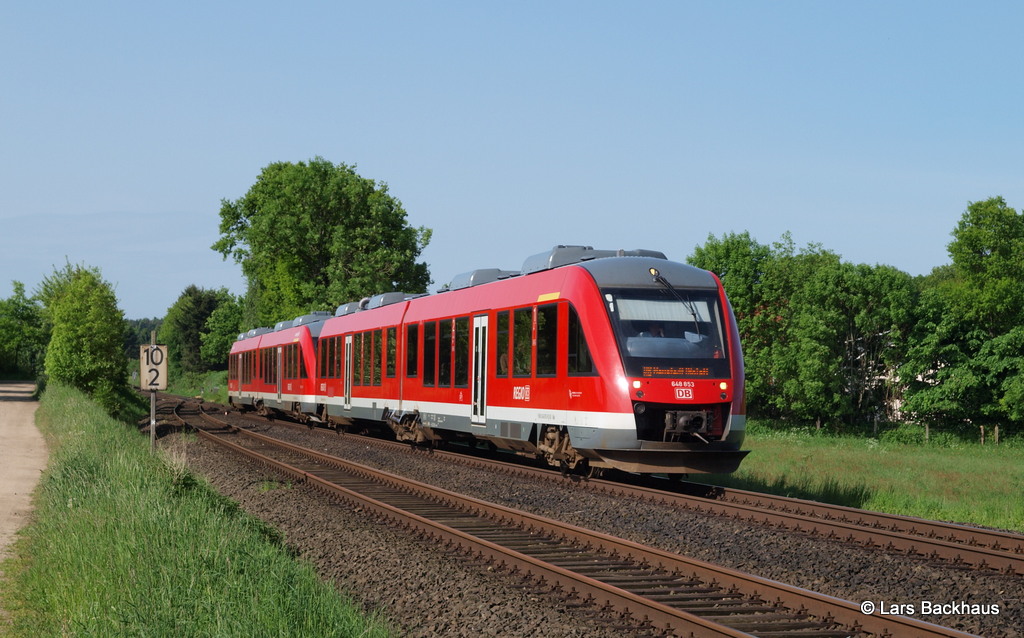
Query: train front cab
x,y
682,367
556,385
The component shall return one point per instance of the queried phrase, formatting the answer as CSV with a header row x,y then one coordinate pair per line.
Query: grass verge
x,y
967,483
211,386
127,544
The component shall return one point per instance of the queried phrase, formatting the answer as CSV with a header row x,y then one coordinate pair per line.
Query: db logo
x,y
684,393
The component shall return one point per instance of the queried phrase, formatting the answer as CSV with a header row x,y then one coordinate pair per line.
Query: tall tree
x,y
221,330
183,326
967,363
86,348
819,335
313,235
848,323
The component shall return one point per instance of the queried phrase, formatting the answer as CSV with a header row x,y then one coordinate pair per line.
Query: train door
x,y
280,372
479,391
348,372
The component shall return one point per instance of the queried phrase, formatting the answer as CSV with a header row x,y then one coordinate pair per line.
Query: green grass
x,y
212,386
124,543
962,482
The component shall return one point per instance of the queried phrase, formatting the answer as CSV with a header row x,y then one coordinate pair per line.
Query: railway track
x,y
952,543
668,592
959,544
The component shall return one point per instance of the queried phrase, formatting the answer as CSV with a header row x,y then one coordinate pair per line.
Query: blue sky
x,y
507,128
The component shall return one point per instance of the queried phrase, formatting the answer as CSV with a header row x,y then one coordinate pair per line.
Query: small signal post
x,y
152,377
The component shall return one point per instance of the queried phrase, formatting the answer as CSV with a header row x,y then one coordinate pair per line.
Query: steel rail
x,y
819,605
901,534
1008,542
553,575
933,540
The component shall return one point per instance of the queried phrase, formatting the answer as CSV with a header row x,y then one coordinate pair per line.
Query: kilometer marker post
x,y
152,377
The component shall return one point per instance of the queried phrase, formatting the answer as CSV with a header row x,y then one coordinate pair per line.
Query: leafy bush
x,y
86,349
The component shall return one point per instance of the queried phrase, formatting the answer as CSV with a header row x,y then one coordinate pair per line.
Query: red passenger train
x,y
586,358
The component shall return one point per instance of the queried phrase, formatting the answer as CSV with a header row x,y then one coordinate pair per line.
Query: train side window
x,y
332,358
412,350
301,359
392,348
269,373
522,342
580,361
429,352
547,340
462,352
376,356
357,359
444,354
502,337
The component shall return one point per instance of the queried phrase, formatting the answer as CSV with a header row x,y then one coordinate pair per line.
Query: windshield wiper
x,y
687,303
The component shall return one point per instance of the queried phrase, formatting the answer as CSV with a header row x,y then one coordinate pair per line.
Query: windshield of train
x,y
661,334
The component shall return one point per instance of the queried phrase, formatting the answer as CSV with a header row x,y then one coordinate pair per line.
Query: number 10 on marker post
x,y
153,363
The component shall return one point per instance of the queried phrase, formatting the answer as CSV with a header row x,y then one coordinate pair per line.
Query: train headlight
x,y
724,385
636,385
639,407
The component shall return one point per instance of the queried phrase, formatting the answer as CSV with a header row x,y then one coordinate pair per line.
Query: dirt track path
x,y
23,456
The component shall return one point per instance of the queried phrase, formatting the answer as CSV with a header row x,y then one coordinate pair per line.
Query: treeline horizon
x,y
836,344
827,343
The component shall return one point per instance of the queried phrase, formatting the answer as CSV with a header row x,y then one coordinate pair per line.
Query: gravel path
x,y
23,454
23,457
